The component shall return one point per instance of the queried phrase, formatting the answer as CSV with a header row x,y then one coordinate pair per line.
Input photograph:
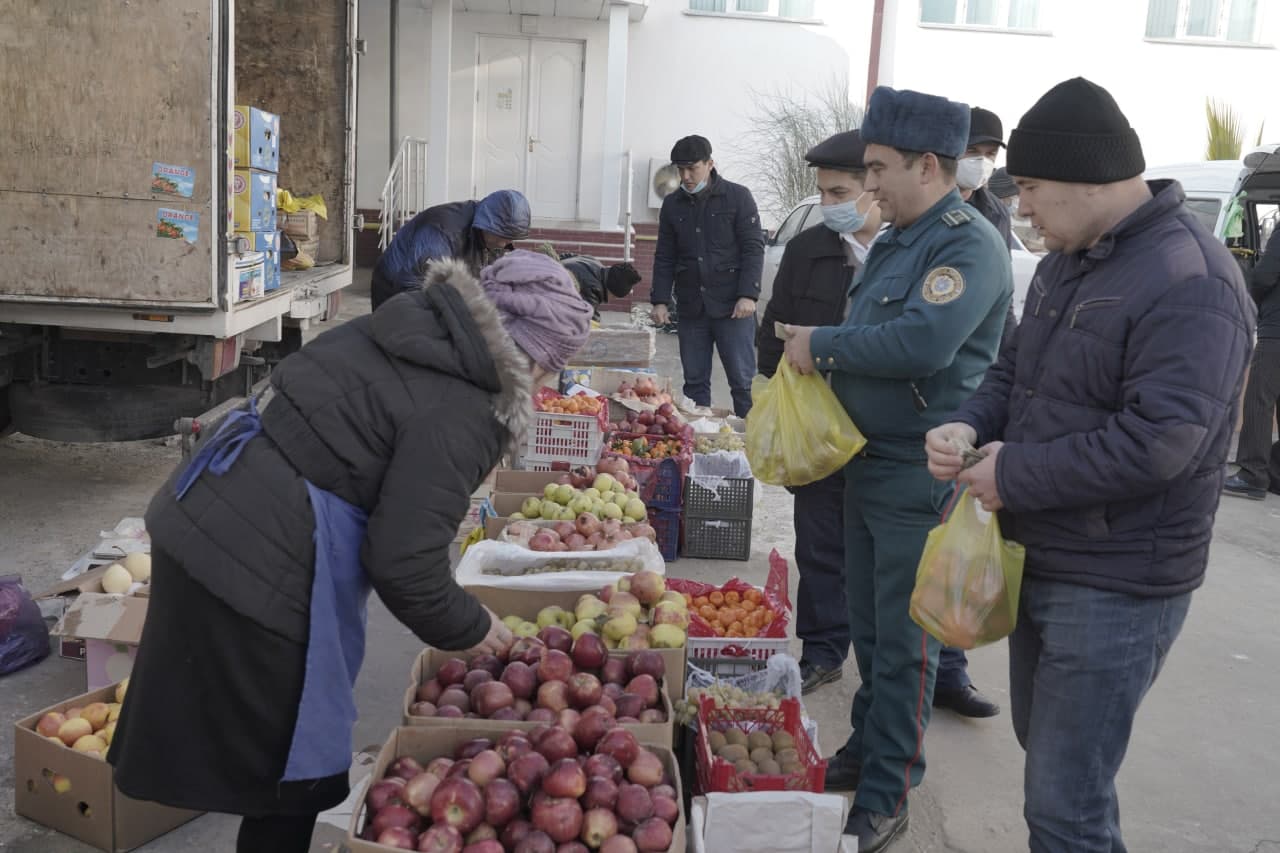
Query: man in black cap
x,y
811,287
597,282
1105,427
924,323
709,256
954,689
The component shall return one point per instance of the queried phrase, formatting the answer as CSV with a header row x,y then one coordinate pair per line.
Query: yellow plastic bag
x,y
797,431
967,585
287,202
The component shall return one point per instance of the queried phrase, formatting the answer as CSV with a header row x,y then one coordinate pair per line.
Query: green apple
x,y
549,491
549,615
592,493
531,508
550,510
564,494
612,510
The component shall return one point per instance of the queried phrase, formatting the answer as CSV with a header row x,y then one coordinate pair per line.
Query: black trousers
x,y
1257,450
276,834
822,613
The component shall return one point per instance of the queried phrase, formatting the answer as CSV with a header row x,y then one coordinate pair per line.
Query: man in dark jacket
x,y
597,282
1105,428
474,232
810,288
710,254
1256,453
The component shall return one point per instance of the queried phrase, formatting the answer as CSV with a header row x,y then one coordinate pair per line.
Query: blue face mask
x,y
843,218
699,188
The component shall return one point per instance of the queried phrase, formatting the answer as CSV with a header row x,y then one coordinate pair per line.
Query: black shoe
x,y
813,676
843,771
875,831
1238,487
967,702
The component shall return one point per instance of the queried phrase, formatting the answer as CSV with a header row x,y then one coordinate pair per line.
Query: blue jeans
x,y
953,670
736,340
1080,662
822,616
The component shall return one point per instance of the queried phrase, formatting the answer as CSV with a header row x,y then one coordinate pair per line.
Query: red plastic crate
x,y
715,775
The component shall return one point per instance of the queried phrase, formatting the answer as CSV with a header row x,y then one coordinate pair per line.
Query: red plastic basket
x,y
661,481
716,775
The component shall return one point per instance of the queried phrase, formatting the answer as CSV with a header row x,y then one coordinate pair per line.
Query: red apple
x,y
521,678
501,802
489,663
556,639
399,837
560,818
451,672
621,744
601,793
384,793
527,772
486,767
540,715
605,766
589,651
449,712
455,697
512,746
396,815
557,744
606,593
472,748
629,705
646,769
618,844
523,707
612,691
591,726
440,766
406,768
440,839
614,670
647,663
567,719
491,697
483,832
598,825
648,587
565,779
555,665
634,803
488,845
652,835
585,690
526,650
553,695
653,715
608,705
646,687
459,769
536,841
506,715
663,790
514,831
573,847
666,808
422,709
458,803
50,723
475,678
418,792
430,691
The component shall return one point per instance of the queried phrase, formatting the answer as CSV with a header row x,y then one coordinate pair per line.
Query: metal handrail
x,y
404,194
628,232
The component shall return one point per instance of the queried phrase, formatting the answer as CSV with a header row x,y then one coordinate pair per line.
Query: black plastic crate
x,y
732,498
717,538
666,524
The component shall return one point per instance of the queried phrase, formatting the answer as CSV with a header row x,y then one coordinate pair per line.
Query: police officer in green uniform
x,y
924,323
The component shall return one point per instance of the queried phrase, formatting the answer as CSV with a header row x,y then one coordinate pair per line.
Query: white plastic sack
x,y
748,823
781,675
710,470
502,564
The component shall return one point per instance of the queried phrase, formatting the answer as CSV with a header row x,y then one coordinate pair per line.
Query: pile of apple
x,y
88,729
551,678
585,533
645,390
664,421
542,791
609,494
633,613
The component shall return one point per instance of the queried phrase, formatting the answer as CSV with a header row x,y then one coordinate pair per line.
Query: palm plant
x,y
1226,133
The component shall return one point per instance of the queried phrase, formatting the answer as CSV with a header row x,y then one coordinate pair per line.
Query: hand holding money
x,y
950,449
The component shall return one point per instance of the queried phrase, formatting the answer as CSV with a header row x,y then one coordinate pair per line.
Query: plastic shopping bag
x,y
967,585
24,639
289,203
797,431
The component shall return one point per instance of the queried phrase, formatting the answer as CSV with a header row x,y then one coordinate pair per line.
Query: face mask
x,y
699,188
974,172
843,218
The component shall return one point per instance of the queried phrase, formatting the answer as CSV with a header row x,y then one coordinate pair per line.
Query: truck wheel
x,y
92,413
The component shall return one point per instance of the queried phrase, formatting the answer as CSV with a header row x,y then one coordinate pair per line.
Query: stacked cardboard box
x,y
257,163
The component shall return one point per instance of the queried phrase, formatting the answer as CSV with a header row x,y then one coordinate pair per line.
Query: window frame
x,y
1220,39
798,215
772,13
1002,14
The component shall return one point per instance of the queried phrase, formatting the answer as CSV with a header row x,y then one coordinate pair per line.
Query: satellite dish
x,y
666,180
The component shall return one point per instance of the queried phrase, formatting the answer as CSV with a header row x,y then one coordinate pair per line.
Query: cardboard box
x,y
424,744
747,822
253,200
268,243
430,661
250,277
67,592
509,481
111,628
303,225
617,347
526,603
94,810
257,139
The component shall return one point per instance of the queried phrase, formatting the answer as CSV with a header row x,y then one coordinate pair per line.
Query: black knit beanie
x,y
1075,134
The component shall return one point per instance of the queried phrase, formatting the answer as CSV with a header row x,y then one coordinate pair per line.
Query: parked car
x,y
808,214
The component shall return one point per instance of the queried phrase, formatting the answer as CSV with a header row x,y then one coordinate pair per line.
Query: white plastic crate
x,y
553,437
746,649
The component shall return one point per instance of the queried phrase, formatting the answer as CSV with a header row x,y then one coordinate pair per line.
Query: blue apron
x,y
339,593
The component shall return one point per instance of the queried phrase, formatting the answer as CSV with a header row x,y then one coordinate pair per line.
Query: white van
x,y
1209,186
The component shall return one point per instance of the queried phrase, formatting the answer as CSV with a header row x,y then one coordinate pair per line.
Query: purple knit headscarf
x,y
539,306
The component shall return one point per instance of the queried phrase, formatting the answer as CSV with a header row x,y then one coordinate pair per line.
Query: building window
x,y
800,9
1204,20
997,14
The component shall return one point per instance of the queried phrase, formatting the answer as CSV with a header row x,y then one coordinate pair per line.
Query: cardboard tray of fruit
x,y
498,789
756,749
585,690
502,564
707,620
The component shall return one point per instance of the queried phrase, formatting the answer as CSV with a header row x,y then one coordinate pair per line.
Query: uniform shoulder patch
x,y
958,216
942,285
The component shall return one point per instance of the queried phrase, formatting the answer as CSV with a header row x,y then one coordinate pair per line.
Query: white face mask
x,y
974,172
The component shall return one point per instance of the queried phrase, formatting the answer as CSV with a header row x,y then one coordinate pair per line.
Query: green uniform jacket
x,y
925,318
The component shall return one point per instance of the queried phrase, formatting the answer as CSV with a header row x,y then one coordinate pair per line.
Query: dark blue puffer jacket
x,y
447,231
1117,404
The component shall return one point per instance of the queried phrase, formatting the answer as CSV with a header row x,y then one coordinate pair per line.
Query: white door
x,y
529,121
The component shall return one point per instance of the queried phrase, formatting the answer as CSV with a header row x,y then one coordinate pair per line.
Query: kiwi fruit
x,y
737,736
770,767
717,742
782,740
790,767
761,755
734,752
782,756
746,766
759,740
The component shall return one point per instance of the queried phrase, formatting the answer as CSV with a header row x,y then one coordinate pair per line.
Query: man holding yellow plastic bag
x,y
924,324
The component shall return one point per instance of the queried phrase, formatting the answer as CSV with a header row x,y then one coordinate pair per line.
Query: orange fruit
x,y
732,597
701,601
754,595
707,612
717,598
748,605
